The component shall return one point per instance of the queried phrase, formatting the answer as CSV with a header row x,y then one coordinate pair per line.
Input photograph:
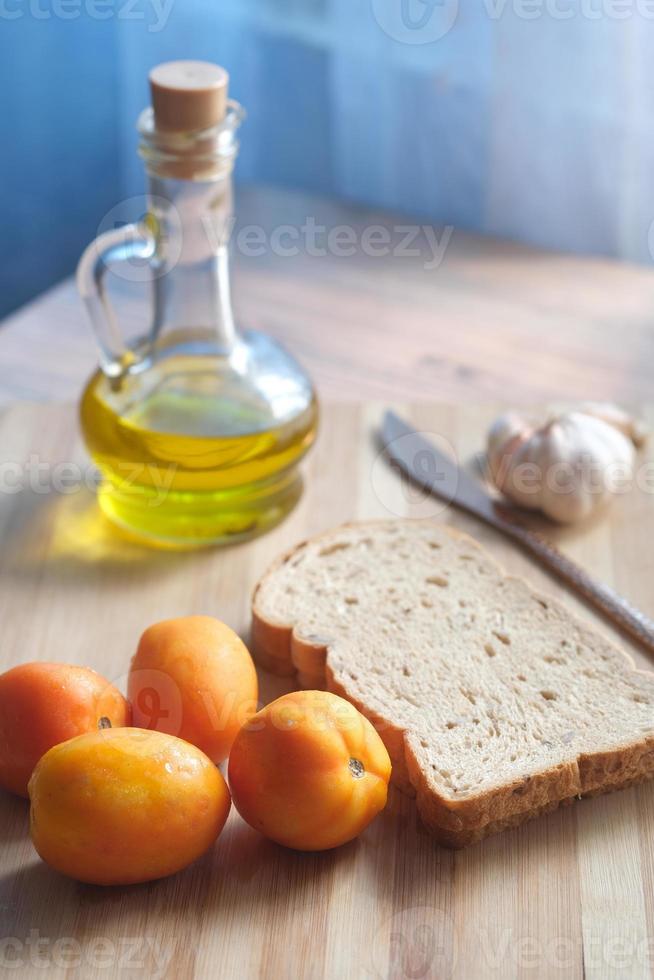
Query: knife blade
x,y
420,460
425,465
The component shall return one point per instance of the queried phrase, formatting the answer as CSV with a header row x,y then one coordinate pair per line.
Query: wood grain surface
x,y
502,320
568,895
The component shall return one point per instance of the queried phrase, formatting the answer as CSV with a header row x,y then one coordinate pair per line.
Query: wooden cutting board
x,y
571,894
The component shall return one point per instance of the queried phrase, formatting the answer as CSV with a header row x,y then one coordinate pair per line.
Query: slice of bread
x,y
496,704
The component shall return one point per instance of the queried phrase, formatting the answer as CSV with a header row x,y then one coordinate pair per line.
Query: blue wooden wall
x,y
532,119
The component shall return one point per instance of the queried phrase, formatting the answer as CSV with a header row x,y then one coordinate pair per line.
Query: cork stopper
x,y
188,95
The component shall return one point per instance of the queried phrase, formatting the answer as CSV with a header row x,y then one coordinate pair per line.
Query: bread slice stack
x,y
496,704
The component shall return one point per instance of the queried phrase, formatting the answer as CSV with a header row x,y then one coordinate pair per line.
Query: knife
x,y
434,471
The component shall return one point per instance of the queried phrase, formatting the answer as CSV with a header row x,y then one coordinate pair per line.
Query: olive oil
x,y
191,453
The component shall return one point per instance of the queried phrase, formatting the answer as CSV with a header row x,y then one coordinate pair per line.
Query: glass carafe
x,y
197,427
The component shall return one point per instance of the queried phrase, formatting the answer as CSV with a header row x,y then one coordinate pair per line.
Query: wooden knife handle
x,y
607,600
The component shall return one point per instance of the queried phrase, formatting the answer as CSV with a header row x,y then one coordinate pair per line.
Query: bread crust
x,y
279,647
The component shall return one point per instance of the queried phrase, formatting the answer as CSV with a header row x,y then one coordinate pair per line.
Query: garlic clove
x,y
514,463
560,473
578,466
505,435
504,428
632,427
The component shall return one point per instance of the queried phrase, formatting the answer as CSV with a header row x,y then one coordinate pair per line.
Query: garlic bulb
x,y
570,465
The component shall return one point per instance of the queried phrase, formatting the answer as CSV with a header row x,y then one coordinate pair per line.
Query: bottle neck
x,y
191,218
192,222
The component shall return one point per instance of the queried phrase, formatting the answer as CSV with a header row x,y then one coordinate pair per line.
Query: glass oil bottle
x,y
197,428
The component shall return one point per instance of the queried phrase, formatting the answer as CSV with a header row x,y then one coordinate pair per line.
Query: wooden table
x,y
494,321
569,895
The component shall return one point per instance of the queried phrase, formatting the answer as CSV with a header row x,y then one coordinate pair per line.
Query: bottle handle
x,y
131,241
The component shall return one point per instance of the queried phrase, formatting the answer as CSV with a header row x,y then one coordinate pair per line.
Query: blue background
x,y
539,128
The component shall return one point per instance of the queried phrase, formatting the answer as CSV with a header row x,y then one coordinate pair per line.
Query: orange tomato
x,y
43,704
309,771
193,677
124,805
